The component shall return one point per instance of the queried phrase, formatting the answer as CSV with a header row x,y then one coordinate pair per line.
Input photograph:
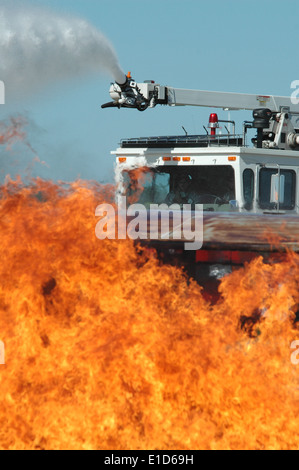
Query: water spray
x,y
40,47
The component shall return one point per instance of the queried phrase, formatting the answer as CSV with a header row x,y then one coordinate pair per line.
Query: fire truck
x,y
248,188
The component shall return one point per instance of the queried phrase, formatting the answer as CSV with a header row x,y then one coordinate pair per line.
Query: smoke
x,y
39,47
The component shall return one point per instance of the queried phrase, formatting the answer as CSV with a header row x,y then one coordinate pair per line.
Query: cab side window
x,y
277,188
248,188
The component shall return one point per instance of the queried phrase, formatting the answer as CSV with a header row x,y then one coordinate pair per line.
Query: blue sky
x,y
221,45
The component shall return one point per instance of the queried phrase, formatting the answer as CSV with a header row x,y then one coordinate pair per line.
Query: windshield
x,y
212,186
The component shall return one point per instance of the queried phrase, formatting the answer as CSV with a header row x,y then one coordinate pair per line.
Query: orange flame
x,y
107,349
137,178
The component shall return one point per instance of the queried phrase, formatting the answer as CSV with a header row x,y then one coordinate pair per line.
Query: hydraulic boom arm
x,y
148,94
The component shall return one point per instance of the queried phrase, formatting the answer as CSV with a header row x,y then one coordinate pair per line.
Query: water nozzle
x,y
126,94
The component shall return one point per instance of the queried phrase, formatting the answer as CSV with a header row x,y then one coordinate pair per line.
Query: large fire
x,y
105,348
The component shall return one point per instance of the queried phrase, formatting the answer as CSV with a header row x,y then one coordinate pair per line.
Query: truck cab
x,y
241,190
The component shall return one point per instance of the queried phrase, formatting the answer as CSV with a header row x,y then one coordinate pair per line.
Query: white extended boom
x,y
148,94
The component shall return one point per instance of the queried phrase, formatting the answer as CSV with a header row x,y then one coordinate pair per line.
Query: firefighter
x,y
181,192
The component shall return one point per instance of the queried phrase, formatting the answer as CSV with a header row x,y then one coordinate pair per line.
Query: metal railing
x,y
220,140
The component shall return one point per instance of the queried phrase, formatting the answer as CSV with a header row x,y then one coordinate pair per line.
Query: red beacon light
x,y
213,123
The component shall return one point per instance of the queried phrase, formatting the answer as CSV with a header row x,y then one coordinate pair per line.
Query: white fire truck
x,y
247,191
